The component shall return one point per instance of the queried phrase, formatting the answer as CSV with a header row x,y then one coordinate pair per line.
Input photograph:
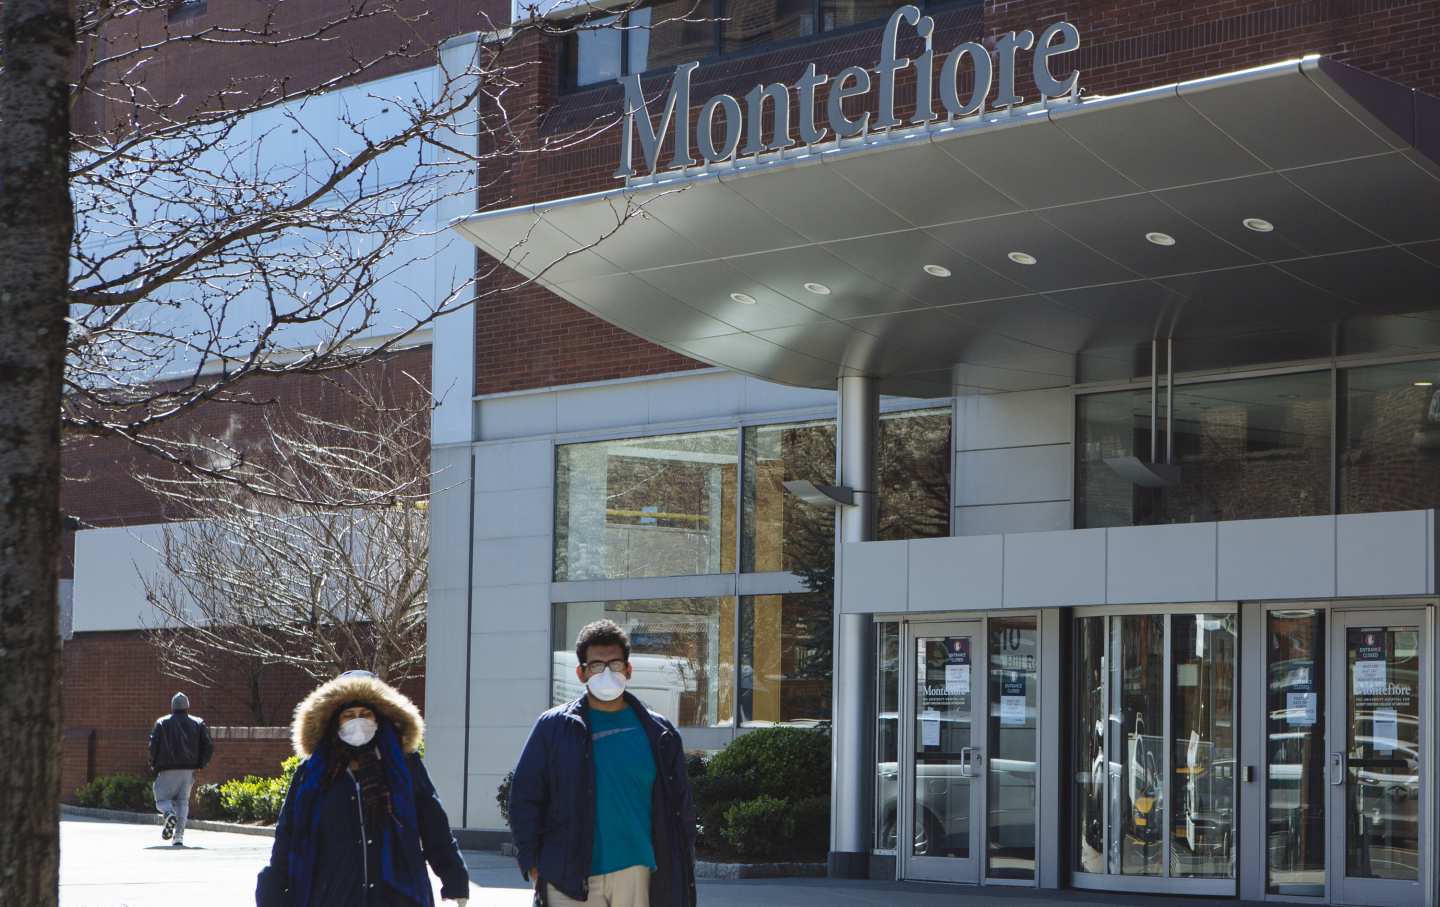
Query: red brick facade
x,y
116,686
531,338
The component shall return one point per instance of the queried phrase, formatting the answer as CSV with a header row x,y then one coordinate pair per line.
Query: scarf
x,y
402,863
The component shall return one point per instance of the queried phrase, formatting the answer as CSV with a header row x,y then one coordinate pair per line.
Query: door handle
x,y
1337,768
970,759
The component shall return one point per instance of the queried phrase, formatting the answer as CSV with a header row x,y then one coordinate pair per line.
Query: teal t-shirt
x,y
624,779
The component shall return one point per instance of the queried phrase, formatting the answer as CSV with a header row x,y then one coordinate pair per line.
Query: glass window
x,y
1390,458
662,506
1089,749
1295,732
914,467
752,23
887,735
1014,714
679,31
1202,719
844,13
781,531
681,649
1137,691
1252,448
785,646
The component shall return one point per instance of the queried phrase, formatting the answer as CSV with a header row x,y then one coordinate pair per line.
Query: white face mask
x,y
606,686
358,731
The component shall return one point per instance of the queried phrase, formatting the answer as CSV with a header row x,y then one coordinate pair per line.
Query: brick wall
x,y
116,686
531,338
100,486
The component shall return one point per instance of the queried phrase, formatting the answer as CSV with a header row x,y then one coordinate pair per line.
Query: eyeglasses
x,y
595,667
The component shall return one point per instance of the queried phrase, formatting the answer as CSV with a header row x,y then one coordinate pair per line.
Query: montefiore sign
x,y
724,112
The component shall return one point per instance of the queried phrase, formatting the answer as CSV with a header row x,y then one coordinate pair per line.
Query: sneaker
x,y
178,843
168,832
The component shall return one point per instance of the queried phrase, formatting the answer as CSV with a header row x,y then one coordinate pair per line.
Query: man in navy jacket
x,y
600,804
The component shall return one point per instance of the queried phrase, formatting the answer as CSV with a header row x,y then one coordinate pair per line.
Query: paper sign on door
x,y
1386,730
1369,678
929,728
957,680
1300,709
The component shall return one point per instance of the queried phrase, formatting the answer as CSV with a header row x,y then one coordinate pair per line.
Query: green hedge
x,y
765,797
130,793
252,798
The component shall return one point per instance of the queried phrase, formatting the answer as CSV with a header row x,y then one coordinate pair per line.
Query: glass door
x,y
1154,750
1376,756
942,788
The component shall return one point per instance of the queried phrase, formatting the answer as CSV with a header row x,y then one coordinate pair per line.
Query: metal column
x,y
858,425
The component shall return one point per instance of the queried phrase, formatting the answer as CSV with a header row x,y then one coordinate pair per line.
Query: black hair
x,y
601,633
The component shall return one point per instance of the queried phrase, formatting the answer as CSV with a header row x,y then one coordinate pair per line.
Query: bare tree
x,y
281,578
191,261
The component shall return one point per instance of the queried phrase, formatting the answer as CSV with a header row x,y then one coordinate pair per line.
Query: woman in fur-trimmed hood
x,y
361,818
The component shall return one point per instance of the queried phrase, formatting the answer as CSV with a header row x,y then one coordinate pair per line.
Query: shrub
x,y
760,829
812,829
766,797
207,803
781,762
253,799
502,796
122,792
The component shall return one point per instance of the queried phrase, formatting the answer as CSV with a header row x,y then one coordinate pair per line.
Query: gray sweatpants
x,y
172,795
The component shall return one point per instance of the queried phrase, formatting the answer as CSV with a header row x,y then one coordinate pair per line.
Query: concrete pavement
x,y
112,864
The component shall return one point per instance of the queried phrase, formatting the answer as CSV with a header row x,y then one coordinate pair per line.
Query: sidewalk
x,y
113,864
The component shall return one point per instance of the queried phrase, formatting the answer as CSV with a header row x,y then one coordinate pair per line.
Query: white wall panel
x,y
1012,475
1055,568
1382,553
1282,558
1026,418
874,577
1161,563
956,573
108,592
1008,518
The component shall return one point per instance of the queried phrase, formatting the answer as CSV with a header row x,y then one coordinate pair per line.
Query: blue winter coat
x,y
347,871
552,805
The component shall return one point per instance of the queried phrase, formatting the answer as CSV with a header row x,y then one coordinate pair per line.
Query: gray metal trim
x,y
1051,775
1251,851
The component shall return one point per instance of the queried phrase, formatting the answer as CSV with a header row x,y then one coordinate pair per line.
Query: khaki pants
x,y
626,888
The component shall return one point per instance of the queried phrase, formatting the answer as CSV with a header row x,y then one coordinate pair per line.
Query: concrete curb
x,y
704,870
115,815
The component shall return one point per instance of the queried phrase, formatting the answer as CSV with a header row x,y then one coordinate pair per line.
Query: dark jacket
x,y
347,869
180,740
552,805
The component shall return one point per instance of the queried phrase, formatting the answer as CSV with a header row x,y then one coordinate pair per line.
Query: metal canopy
x,y
1340,163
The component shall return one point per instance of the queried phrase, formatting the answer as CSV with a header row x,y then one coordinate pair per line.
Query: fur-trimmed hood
x,y
313,715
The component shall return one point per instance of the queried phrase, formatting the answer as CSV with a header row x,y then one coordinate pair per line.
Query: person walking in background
x,y
180,746
600,804
361,818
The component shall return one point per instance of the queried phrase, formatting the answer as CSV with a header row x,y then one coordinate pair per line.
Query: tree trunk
x,y
36,48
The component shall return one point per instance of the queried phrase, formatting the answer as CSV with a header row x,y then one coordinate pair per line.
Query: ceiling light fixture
x,y
1160,239
1258,224
819,289
1022,258
743,298
936,270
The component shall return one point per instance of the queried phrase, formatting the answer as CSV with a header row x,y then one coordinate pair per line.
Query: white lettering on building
x,y
747,121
